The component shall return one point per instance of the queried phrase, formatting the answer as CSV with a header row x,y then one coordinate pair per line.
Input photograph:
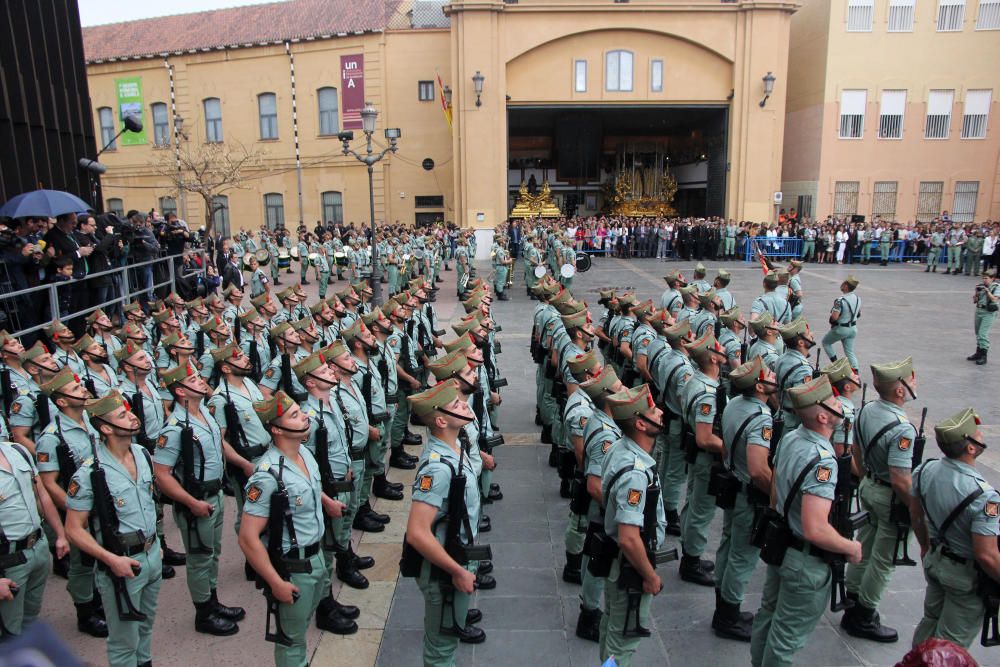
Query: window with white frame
x,y
618,71
845,197
425,91
107,120
267,105
890,116
213,120
884,199
963,206
859,15
929,200
976,113
274,210
989,15
939,104
333,207
656,76
951,13
900,16
852,113
161,124
580,76
329,121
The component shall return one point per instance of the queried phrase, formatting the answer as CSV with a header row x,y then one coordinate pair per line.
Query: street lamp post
x,y
368,115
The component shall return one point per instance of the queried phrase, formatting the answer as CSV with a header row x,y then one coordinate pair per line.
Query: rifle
x,y
255,364
864,394
282,510
140,412
461,552
816,367
195,487
329,483
899,513
989,592
285,380
629,579
88,381
67,465
107,525
845,523
237,439
8,389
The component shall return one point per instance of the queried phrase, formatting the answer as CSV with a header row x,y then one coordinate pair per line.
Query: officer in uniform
x,y
845,383
259,282
22,583
792,368
795,293
934,244
986,298
671,299
809,244
974,253
628,483
197,495
746,432
884,439
797,591
385,358
288,352
721,287
288,469
31,409
772,302
445,583
501,269
884,244
703,445
766,345
955,518
128,473
233,308
61,449
955,239
844,318
254,343
699,278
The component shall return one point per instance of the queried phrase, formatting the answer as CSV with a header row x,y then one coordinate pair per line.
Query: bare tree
x,y
209,170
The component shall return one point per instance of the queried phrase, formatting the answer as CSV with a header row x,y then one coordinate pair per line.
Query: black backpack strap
x,y
739,434
867,446
23,452
621,473
799,481
955,513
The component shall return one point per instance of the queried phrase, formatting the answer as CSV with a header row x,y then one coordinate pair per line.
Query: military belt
x,y
303,553
357,454
878,481
808,548
951,555
137,542
22,544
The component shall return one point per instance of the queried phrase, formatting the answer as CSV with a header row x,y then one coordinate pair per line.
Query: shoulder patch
x,y
705,408
43,457
992,509
766,433
270,373
253,493
15,408
211,410
823,473
73,489
904,444
161,441
434,456
426,482
583,422
607,445
634,496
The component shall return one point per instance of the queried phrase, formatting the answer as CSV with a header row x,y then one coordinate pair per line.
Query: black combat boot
x,y
588,624
327,618
729,623
860,621
473,616
208,622
382,489
361,562
400,459
230,613
571,573
975,355
547,438
981,361
412,439
171,557
564,491
347,571
693,571
90,621
673,523
470,634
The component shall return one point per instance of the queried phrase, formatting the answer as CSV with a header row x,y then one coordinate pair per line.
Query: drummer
x,y
303,249
272,248
318,258
259,282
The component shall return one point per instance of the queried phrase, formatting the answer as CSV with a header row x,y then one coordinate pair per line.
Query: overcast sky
x,y
96,12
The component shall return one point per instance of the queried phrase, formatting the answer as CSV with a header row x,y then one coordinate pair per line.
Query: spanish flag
x,y
444,102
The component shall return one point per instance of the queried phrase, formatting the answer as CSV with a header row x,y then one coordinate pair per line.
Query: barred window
x,y
845,197
852,113
890,119
859,15
884,199
333,207
116,206
951,13
989,15
901,15
929,200
939,104
976,113
963,207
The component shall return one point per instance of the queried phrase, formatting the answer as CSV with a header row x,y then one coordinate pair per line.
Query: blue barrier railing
x,y
791,248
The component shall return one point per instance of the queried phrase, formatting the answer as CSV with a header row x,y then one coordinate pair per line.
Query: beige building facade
x,y
681,80
892,110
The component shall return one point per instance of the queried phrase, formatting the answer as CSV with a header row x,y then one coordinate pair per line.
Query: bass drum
x,y
340,257
295,253
263,257
583,262
567,271
284,259
539,271
246,261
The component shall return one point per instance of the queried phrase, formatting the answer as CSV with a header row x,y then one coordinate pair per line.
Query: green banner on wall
x,y
129,92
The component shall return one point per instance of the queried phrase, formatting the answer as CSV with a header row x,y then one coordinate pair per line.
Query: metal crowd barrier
x,y
791,248
14,302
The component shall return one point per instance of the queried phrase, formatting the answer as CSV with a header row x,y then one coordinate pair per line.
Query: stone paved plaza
x,y
530,617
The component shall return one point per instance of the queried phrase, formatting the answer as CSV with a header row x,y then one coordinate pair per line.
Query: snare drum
x,y
246,261
341,258
284,259
263,257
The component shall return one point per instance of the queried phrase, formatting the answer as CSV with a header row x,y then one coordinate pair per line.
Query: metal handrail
x,y
127,295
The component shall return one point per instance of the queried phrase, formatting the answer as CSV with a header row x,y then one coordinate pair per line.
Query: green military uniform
x,y
934,245
762,348
258,282
348,398
952,608
22,527
885,437
303,249
628,477
730,245
305,503
866,237
129,642
671,373
792,369
202,536
444,606
884,244
985,317
809,244
974,253
746,422
845,330
955,240
462,263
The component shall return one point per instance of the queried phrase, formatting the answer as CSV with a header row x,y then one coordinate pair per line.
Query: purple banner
x,y
352,90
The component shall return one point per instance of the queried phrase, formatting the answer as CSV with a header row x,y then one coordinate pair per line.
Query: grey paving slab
x,y
531,617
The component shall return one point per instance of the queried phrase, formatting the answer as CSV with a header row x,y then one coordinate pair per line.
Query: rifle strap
x,y
739,434
348,426
953,516
650,479
668,383
867,445
287,518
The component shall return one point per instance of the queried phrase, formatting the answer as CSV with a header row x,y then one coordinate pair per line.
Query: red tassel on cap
x,y
190,372
835,392
128,408
976,419
649,400
281,410
76,378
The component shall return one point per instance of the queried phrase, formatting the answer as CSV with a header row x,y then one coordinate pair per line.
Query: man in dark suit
x,y
231,273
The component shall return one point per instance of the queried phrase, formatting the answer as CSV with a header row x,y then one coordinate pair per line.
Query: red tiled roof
x,y
236,26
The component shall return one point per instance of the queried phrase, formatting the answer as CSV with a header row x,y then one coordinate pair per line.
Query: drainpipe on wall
x,y
295,126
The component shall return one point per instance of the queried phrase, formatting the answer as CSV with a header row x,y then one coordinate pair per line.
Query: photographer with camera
x,y
986,299
106,247
22,254
143,247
